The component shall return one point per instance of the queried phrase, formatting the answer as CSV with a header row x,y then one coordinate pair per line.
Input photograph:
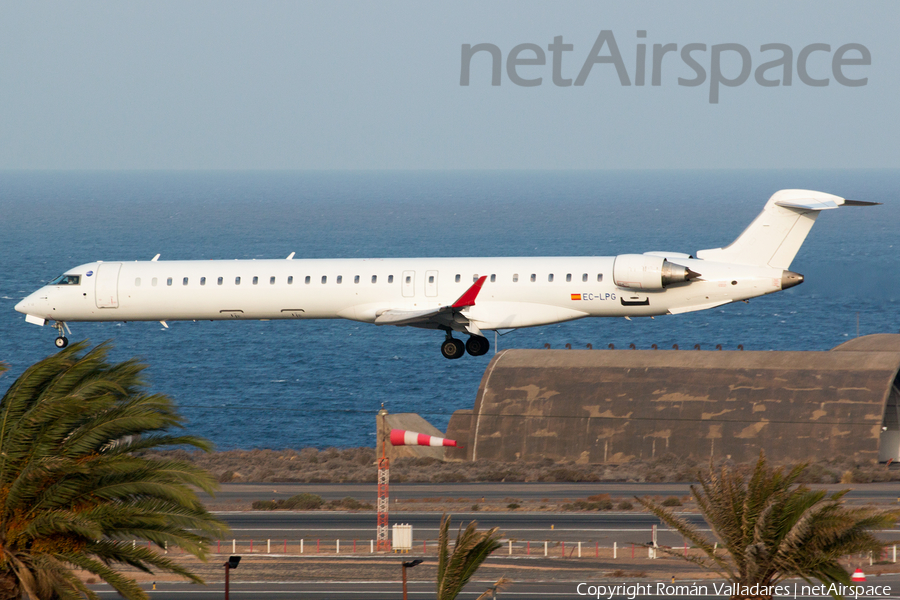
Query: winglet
x,y
468,298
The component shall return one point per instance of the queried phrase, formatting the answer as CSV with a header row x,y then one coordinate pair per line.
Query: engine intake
x,y
642,272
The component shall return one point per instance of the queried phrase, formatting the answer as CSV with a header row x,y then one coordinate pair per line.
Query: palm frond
x,y
771,528
73,485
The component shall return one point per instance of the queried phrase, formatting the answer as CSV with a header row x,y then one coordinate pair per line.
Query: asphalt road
x,y
248,492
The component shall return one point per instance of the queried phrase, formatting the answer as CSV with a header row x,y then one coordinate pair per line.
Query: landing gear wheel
x,y
452,348
62,342
477,345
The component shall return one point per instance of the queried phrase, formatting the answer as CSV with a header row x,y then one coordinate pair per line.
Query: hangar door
x,y
889,444
107,285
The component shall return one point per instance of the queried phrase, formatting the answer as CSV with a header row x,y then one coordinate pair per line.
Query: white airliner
x,y
464,295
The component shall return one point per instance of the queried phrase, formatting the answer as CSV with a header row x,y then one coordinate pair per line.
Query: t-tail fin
x,y
775,236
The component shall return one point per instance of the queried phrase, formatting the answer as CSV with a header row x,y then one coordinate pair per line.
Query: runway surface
x,y
323,590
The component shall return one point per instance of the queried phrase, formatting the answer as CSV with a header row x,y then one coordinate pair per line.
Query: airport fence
x,y
510,547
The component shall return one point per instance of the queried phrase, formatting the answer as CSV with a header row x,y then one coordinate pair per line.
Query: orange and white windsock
x,y
401,437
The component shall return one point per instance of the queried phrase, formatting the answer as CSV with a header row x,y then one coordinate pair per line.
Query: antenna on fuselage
x,y
291,256
155,258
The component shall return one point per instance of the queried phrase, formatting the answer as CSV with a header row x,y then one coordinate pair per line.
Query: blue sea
x,y
290,384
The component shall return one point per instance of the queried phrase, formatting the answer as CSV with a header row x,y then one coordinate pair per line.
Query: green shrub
x,y
303,501
264,505
671,501
349,503
513,506
625,505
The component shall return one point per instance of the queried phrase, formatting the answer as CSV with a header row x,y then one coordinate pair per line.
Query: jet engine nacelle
x,y
642,272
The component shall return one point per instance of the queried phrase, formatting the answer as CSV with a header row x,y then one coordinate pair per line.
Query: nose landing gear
x,y
62,341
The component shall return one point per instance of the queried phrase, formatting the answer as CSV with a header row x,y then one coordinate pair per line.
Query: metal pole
x,y
402,566
226,581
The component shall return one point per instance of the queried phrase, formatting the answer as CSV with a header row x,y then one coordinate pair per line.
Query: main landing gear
x,y
62,341
453,348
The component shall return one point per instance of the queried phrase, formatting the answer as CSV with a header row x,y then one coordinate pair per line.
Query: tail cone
x,y
789,279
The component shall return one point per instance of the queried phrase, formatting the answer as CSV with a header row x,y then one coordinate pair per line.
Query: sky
x,y
377,85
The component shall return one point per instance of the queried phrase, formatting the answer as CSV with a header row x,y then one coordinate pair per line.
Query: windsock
x,y
401,437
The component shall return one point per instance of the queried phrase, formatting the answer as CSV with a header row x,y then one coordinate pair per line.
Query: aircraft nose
x,y
22,306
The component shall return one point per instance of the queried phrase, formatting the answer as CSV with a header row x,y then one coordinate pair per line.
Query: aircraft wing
x,y
435,318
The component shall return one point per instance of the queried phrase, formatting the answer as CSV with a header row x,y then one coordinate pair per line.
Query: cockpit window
x,y
67,280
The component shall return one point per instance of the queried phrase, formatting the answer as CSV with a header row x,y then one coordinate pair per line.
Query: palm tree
x,y
75,487
457,567
772,529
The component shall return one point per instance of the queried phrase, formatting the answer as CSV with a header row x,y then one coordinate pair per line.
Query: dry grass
x,y
358,465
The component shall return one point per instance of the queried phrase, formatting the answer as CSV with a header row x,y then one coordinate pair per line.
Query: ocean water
x,y
319,383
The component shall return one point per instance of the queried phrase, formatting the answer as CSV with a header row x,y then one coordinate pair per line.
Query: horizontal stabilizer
x,y
808,204
860,203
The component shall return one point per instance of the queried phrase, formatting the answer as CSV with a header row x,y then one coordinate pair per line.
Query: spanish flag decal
x,y
576,296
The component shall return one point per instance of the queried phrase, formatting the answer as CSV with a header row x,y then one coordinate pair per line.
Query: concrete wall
x,y
598,406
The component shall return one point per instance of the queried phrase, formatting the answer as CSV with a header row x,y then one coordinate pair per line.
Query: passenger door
x,y
107,286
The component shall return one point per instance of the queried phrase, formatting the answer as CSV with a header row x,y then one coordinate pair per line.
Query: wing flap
x,y
405,317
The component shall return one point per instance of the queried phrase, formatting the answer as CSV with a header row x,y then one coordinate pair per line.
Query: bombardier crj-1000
x,y
464,295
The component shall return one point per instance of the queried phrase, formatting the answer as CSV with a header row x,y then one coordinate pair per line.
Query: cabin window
x,y
431,279
390,279
375,278
271,281
169,281
237,281
599,276
66,280
307,279
255,280
220,280
153,282
356,279
408,279
324,278
550,277
515,277
493,278
568,277
184,281
474,277
533,277
137,282
457,278
203,281
340,278
290,280
584,277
